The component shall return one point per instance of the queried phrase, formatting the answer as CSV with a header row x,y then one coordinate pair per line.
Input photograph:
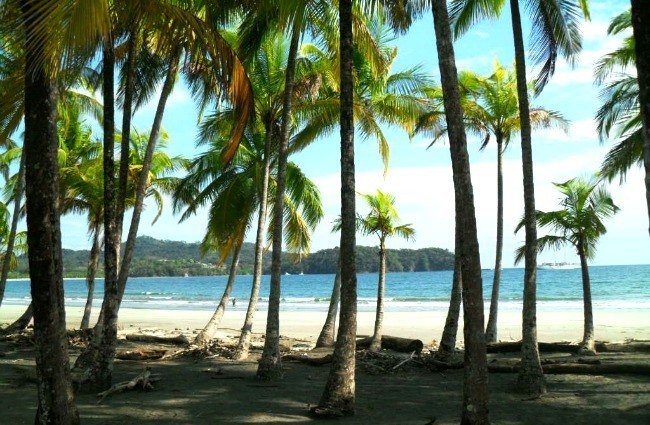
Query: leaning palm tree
x,y
492,110
579,223
555,31
382,221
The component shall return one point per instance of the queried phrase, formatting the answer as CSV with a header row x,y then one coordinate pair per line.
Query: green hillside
x,y
155,257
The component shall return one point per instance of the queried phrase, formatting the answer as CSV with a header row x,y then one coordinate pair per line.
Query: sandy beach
x,y
561,325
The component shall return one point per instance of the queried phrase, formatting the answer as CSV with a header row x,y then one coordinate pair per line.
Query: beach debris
x,y
568,347
395,343
142,381
307,359
141,354
178,340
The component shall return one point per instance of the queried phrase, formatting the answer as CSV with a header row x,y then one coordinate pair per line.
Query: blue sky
x,y
421,179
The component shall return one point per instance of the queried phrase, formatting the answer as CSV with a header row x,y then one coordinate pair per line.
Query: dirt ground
x,y
195,390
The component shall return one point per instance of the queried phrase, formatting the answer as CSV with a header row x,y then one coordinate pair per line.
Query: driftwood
x,y
143,381
579,368
179,340
395,343
141,355
566,347
303,358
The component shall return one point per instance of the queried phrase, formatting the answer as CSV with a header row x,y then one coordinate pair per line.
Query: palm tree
x,y
382,221
475,393
640,16
338,395
20,246
493,110
555,30
579,223
233,194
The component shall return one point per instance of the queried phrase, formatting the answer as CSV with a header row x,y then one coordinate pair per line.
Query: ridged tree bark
x,y
450,333
531,377
86,362
54,387
244,343
270,365
339,393
375,341
588,344
641,29
491,329
93,262
125,144
207,333
326,336
475,389
103,367
18,198
23,321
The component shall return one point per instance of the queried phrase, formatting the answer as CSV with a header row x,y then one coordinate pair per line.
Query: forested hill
x,y
155,257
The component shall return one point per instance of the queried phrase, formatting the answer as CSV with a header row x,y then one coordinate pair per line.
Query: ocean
x,y
613,287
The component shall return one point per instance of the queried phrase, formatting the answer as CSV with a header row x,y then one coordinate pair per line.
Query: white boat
x,y
558,266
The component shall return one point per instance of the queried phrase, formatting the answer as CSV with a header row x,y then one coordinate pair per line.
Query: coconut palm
x,y
579,223
493,110
20,246
233,194
382,221
555,31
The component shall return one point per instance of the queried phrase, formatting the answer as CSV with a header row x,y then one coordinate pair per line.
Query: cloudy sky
x,y
421,178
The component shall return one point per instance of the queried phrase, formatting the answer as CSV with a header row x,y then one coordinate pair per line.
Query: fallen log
x,y
303,358
143,381
395,343
141,355
178,340
567,347
579,368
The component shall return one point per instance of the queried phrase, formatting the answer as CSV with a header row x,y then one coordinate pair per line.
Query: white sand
x,y
611,325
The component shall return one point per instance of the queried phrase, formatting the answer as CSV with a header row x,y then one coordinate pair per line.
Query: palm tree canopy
x,y
579,222
555,28
383,219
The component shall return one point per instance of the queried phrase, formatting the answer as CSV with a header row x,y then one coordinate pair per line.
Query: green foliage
x,y
154,257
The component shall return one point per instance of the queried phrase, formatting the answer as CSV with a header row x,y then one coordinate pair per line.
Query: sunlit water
x,y
613,287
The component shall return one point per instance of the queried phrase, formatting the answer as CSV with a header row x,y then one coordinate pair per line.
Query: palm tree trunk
x,y
531,376
103,367
22,322
375,342
93,262
270,365
243,346
491,330
449,334
641,29
475,391
125,144
207,333
587,346
339,393
86,362
55,397
18,198
326,337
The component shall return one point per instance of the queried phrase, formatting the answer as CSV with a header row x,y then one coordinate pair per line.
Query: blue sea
x,y
613,287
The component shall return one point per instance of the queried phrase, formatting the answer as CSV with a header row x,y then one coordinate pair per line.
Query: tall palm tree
x,y
339,393
20,246
579,223
494,111
640,16
382,221
555,30
233,194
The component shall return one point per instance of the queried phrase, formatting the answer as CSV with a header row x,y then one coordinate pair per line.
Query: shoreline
x,y
552,326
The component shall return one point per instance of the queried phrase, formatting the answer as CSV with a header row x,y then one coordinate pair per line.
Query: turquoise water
x,y
613,287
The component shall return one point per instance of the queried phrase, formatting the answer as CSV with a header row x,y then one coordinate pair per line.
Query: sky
x,y
421,178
